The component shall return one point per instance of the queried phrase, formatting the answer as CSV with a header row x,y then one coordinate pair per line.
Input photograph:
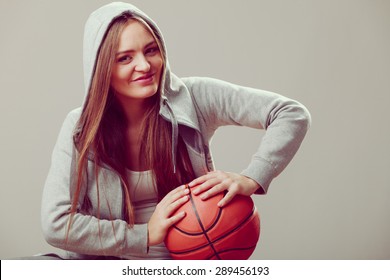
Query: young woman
x,y
121,160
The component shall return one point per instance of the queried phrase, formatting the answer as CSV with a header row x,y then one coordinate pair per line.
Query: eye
x,y
152,50
124,59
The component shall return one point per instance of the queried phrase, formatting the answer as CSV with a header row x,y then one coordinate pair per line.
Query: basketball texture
x,y
210,232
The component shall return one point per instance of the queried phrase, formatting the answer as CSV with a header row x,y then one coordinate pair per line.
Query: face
x,y
138,64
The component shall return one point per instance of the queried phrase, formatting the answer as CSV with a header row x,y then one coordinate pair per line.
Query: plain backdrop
x,y
332,201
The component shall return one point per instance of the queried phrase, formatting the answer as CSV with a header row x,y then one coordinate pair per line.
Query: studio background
x,y
332,201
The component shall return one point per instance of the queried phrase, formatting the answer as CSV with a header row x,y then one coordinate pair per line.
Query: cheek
x,y
156,61
158,64
120,75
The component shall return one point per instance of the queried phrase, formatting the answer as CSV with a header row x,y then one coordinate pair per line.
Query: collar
x,y
177,107
178,98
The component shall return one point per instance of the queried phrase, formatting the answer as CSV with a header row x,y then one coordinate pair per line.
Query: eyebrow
x,y
146,46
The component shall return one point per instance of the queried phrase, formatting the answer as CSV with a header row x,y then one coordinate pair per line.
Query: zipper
x,y
206,154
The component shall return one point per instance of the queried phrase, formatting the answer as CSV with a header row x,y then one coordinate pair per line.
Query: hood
x,y
95,28
176,102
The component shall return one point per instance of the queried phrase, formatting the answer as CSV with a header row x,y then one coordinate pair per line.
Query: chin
x,y
144,92
139,92
147,92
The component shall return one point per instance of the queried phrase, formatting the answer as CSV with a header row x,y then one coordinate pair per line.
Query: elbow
x,y
299,115
292,113
305,117
52,239
54,231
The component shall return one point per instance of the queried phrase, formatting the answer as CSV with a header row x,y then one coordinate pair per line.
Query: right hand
x,y
161,219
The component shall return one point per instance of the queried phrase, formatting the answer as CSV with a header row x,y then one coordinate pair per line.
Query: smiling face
x,y
138,64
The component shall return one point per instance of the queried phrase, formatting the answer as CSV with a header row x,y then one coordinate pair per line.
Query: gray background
x,y
333,200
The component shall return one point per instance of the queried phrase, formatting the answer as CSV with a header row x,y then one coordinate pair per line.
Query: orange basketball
x,y
210,232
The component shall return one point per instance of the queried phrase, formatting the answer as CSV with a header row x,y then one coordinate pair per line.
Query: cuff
x,y
137,239
262,172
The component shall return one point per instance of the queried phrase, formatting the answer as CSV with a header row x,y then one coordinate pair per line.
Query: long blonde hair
x,y
100,129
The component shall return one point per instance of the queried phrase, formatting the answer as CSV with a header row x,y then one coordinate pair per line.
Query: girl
x,y
121,160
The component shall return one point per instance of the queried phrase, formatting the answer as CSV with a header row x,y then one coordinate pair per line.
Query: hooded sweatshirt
x,y
195,107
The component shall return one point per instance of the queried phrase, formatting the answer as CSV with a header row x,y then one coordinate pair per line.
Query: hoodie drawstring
x,y
175,133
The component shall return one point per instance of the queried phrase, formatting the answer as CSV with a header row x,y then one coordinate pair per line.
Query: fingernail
x,y
195,191
203,197
186,191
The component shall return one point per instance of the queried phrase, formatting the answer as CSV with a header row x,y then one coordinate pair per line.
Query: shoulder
x,y
205,90
72,117
68,126
74,114
203,83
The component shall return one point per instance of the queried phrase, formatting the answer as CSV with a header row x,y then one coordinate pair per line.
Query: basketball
x,y
209,232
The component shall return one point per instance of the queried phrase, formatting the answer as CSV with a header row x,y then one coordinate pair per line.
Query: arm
x,y
88,235
286,122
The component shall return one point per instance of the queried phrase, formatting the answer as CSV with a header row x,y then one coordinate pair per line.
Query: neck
x,y
135,109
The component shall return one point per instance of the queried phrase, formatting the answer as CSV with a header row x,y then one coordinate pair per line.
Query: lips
x,y
144,77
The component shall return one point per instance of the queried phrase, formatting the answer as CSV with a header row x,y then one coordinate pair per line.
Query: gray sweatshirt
x,y
195,107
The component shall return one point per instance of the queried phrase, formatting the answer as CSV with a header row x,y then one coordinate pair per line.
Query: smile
x,y
144,78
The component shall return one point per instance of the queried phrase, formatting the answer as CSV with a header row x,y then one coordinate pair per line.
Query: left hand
x,y
215,182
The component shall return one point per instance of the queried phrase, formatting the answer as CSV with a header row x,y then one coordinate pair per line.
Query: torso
x,y
144,196
133,146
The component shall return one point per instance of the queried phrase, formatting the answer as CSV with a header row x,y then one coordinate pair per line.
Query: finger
x,y
175,191
226,199
213,191
174,195
197,181
176,204
203,178
177,195
206,185
175,218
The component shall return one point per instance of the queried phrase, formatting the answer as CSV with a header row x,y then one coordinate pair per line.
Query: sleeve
x,y
88,234
286,122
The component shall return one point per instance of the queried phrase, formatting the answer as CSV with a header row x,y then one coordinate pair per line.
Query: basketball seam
x,y
206,230
189,250
237,227
201,225
233,249
219,238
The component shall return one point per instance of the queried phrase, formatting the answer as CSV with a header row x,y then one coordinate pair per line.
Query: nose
x,y
142,64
